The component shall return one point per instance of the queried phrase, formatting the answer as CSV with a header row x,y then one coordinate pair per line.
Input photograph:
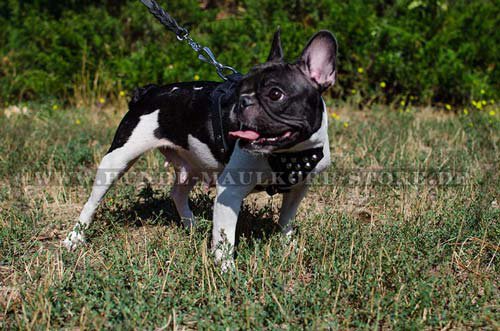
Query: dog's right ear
x,y
276,53
319,59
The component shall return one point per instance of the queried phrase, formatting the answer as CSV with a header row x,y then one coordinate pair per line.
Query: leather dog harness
x,y
289,168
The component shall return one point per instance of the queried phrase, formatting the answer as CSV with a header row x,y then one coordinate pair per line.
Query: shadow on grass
x,y
155,207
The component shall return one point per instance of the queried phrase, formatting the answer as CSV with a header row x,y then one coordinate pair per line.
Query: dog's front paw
x,y
224,258
227,265
287,232
73,240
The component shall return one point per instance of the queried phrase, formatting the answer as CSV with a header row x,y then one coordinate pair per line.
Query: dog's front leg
x,y
289,206
227,207
236,181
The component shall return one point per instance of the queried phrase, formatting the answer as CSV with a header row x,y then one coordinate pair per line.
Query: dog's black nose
x,y
246,101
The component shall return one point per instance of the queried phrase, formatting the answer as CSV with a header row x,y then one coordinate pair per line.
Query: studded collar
x,y
292,168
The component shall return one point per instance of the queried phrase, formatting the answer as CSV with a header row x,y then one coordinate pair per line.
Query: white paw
x,y
287,232
73,240
224,258
227,265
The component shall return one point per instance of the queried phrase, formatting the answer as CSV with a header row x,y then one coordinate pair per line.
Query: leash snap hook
x,y
205,54
182,34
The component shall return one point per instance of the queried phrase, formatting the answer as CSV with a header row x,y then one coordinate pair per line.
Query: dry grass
x,y
365,255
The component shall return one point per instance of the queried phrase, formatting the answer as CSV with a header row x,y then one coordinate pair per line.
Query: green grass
x,y
371,257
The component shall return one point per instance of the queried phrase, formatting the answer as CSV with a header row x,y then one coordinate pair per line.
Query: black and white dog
x,y
276,122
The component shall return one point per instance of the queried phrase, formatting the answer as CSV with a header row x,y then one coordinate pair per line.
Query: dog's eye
x,y
275,94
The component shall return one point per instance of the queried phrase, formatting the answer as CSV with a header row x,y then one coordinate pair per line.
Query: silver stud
x,y
314,157
293,180
307,166
300,174
305,159
298,166
283,159
293,159
289,166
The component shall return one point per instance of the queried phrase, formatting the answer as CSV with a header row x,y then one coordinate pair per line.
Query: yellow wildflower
x,y
484,102
402,103
360,70
335,116
77,122
353,91
196,77
448,107
346,125
492,101
102,100
492,113
483,91
122,94
382,84
55,107
466,112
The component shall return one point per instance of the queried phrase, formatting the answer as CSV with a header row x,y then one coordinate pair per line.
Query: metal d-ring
x,y
220,71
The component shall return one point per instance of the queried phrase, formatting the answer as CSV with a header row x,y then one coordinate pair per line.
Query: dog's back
x,y
183,111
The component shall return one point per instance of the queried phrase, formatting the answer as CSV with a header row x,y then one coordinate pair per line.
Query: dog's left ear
x,y
276,53
319,59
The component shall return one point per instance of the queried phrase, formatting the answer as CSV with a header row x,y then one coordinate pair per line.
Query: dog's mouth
x,y
257,139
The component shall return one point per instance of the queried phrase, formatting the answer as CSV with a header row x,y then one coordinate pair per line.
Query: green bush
x,y
436,51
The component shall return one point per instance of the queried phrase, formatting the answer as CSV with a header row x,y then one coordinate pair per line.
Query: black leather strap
x,y
221,98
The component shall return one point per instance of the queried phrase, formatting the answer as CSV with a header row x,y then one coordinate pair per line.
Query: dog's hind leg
x,y
115,163
180,195
183,184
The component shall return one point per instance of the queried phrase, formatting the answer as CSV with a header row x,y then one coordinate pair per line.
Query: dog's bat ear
x,y
319,59
276,53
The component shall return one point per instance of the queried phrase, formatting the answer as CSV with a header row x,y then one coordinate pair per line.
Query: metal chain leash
x,y
205,54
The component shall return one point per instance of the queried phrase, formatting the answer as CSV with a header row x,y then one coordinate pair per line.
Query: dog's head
x,y
279,104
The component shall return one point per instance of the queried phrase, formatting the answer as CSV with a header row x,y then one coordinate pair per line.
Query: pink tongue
x,y
247,135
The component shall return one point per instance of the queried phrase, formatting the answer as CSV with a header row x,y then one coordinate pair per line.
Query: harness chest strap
x,y
220,100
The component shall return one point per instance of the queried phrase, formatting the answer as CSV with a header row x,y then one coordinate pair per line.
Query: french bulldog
x,y
276,122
